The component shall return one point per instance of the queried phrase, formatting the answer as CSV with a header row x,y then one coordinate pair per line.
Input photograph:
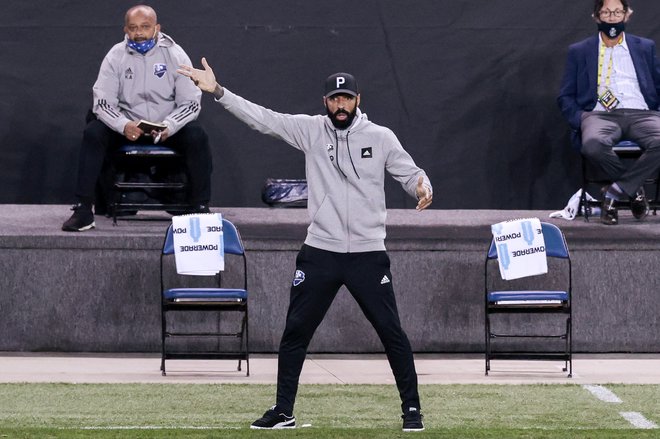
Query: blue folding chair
x,y
216,298
513,303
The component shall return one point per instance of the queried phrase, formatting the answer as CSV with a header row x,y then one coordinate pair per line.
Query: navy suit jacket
x,y
579,84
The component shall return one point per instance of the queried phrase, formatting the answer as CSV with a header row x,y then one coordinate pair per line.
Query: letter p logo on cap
x,y
341,83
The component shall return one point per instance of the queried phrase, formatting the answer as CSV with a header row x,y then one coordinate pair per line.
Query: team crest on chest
x,y
128,74
160,69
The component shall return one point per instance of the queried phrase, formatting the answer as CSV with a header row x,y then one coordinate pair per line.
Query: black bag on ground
x,y
280,192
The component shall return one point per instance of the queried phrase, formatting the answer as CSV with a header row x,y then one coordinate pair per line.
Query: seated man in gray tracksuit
x,y
137,80
346,157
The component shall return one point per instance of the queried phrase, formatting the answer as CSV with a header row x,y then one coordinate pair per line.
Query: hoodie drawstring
x,y
348,146
337,143
349,155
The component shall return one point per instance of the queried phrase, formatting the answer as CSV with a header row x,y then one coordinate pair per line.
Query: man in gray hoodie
x,y
137,80
346,157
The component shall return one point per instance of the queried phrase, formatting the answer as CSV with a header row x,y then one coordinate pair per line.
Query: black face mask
x,y
341,124
612,30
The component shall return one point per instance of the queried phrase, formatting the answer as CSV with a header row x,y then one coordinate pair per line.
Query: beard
x,y
342,124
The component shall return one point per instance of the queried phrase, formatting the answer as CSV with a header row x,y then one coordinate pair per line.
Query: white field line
x,y
160,427
638,420
151,427
602,393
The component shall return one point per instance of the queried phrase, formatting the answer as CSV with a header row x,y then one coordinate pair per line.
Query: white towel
x,y
198,244
574,209
520,248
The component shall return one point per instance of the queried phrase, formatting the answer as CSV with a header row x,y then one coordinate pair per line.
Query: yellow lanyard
x,y
601,61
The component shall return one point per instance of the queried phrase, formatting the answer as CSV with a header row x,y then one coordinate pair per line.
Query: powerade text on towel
x,y
520,248
198,244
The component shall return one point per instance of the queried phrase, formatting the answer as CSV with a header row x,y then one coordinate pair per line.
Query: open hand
x,y
424,194
204,79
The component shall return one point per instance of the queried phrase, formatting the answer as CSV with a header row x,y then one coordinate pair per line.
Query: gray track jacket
x,y
345,172
131,86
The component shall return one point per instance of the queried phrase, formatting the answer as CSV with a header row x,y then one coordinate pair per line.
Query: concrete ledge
x,y
324,369
98,291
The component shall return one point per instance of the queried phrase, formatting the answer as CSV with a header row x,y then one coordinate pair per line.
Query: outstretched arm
x,y
204,79
293,129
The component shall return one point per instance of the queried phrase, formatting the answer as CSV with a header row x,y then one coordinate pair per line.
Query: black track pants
x,y
367,276
191,140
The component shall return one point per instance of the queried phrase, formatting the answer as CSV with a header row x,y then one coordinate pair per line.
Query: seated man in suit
x,y
609,91
138,80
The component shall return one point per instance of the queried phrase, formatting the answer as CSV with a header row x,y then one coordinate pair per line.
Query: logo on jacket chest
x,y
128,73
160,69
366,153
330,147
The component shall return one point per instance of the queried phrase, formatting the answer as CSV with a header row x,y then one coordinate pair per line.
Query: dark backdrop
x,y
469,86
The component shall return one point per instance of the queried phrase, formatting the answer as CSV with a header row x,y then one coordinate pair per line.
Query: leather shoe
x,y
609,215
640,205
608,212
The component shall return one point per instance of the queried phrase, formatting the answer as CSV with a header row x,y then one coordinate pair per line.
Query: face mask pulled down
x,y
143,47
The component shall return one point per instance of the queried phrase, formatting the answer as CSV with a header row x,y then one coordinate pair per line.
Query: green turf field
x,y
334,411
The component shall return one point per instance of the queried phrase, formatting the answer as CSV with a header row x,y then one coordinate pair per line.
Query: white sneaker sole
x,y
91,226
276,427
280,426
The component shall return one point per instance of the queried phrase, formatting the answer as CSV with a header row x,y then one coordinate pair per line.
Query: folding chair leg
x,y
583,195
487,365
247,345
162,342
244,345
570,347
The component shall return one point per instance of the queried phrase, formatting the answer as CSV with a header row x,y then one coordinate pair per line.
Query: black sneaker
x,y
412,420
273,420
81,220
640,205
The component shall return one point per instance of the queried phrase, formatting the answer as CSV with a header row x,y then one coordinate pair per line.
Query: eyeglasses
x,y
606,13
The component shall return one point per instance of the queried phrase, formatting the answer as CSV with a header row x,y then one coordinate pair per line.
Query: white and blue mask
x,y
143,46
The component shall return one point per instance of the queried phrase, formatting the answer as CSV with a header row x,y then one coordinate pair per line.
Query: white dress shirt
x,y
623,80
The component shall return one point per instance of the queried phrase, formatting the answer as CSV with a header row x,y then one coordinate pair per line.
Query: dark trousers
x,y
367,276
191,141
601,130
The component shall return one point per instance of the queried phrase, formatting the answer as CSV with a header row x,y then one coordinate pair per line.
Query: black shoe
x,y
274,420
81,220
640,205
608,213
412,420
198,208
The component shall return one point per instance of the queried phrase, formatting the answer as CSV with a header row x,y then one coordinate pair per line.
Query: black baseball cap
x,y
341,83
